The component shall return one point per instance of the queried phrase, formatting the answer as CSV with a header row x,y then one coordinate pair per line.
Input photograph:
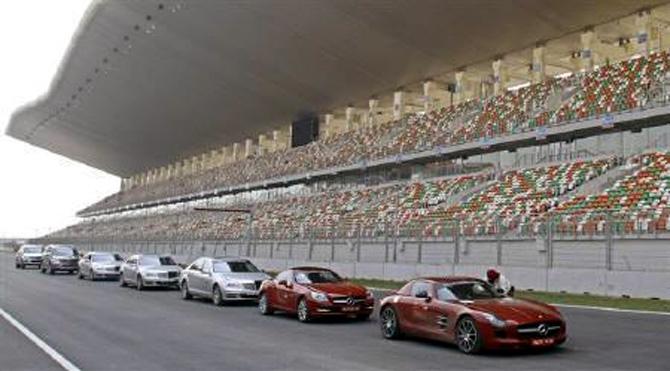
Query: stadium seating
x,y
637,203
610,88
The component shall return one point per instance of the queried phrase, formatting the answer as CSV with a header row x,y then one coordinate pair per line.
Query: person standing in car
x,y
499,282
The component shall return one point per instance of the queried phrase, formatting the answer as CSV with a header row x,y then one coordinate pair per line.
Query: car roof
x,y
450,279
308,268
227,258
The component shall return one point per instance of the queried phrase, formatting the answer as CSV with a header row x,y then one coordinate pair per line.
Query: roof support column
x,y
398,104
237,155
262,144
500,77
428,95
642,24
328,127
586,53
349,118
248,148
170,171
373,104
538,66
459,86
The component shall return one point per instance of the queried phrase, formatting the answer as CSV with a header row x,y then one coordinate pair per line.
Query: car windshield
x,y
32,250
472,291
103,258
324,276
242,266
157,260
63,251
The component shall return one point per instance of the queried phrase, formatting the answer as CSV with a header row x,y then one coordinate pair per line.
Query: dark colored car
x,y
467,312
28,255
312,292
59,258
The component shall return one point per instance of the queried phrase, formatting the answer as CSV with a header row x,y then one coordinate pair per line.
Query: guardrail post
x,y
608,243
499,259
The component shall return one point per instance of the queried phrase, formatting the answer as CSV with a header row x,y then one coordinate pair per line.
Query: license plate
x,y
541,342
349,309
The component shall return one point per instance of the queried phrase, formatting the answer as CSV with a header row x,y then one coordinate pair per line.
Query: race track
x,y
101,326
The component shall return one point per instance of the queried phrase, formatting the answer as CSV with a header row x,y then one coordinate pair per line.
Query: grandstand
x,y
544,152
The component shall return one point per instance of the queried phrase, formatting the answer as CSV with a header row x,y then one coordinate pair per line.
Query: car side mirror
x,y
423,295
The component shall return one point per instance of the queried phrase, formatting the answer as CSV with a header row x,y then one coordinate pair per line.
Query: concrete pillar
x,y
643,27
500,76
349,118
459,87
248,147
398,104
538,67
586,53
170,171
328,123
195,164
237,155
373,104
262,144
428,95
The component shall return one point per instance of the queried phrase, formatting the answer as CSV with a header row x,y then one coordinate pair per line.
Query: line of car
x,y
464,311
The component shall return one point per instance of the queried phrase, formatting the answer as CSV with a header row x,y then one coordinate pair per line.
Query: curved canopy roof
x,y
148,82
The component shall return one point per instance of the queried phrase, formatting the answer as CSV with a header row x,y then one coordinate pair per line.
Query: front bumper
x,y
239,294
31,261
160,282
64,266
509,338
325,309
106,274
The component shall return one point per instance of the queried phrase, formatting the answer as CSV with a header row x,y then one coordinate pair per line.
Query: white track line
x,y
604,309
62,361
608,309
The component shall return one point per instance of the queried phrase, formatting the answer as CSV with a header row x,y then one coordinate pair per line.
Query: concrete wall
x,y
636,266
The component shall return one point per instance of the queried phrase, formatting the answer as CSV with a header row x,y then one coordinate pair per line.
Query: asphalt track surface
x,y
101,326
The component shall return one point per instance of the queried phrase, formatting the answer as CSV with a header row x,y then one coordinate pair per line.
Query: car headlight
x,y
493,320
233,284
319,296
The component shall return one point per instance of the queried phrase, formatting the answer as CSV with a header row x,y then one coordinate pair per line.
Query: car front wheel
x,y
303,311
388,319
185,294
217,296
263,305
468,338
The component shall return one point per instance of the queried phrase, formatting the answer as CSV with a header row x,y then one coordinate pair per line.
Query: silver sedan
x,y
150,271
222,280
96,265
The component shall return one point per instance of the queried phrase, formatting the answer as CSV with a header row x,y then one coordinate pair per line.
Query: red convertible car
x,y
312,292
467,312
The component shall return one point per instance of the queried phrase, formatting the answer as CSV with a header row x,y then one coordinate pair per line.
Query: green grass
x,y
556,297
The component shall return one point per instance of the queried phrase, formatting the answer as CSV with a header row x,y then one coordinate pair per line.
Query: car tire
x,y
185,293
390,326
468,336
217,296
139,283
264,306
303,311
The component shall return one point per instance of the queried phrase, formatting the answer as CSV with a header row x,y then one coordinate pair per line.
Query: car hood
x,y
259,276
339,288
519,310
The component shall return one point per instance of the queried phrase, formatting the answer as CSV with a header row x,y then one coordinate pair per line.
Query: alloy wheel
x,y
389,323
263,305
467,336
303,311
217,296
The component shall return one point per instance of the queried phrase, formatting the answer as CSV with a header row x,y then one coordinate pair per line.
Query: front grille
x,y
162,275
539,329
173,274
249,286
348,300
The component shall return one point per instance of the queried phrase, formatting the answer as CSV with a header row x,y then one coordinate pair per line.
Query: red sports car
x,y
469,313
312,292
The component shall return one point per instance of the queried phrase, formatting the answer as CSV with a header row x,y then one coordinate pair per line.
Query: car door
x,y
416,308
206,277
284,291
442,313
195,283
130,269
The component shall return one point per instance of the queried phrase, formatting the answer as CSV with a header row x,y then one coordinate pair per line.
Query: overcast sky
x,y
39,191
